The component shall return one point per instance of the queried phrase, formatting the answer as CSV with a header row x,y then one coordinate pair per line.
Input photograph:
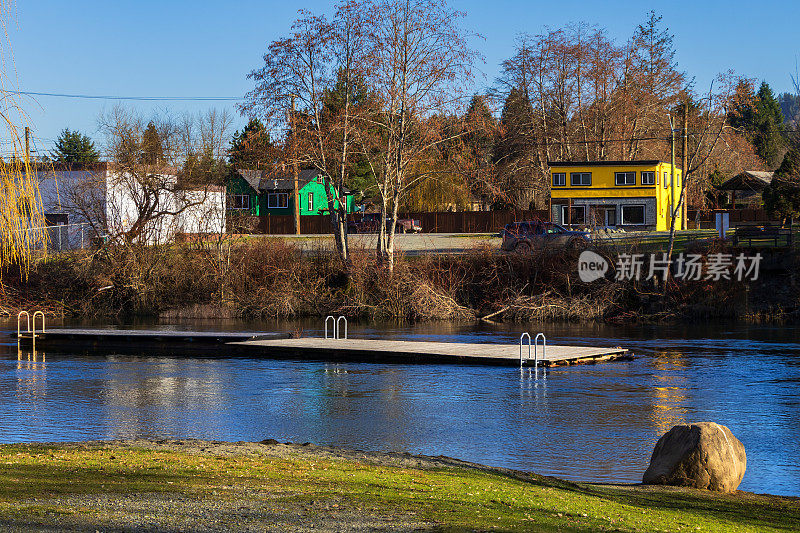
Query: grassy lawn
x,y
46,484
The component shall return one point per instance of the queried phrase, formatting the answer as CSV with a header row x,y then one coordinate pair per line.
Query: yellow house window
x,y
625,178
632,215
581,179
666,180
648,178
559,179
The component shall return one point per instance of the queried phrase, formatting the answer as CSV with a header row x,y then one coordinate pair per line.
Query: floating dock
x,y
427,352
144,338
283,346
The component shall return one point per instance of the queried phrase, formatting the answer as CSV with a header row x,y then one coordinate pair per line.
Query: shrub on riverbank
x,y
270,278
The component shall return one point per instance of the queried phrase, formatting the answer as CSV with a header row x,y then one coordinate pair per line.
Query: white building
x,y
146,208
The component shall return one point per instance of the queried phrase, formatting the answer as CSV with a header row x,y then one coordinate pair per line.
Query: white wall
x,y
182,211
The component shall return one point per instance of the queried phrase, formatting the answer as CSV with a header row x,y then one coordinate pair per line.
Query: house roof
x,y
638,163
252,177
749,180
260,181
286,183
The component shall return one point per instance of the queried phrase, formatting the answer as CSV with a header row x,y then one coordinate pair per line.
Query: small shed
x,y
746,187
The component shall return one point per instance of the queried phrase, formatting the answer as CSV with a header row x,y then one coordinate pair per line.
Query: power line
x,y
137,98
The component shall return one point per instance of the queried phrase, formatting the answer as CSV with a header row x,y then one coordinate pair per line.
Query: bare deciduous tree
x,y
421,68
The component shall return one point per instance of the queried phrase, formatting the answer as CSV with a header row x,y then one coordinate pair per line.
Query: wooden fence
x,y
738,217
473,221
444,222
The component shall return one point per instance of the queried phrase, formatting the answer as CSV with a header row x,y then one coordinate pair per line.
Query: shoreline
x,y
193,484
274,280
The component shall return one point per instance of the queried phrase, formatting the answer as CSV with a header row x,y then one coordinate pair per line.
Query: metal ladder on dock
x,y
30,332
335,330
535,345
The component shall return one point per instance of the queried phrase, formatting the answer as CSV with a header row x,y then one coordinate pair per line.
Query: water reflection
x,y
669,390
595,422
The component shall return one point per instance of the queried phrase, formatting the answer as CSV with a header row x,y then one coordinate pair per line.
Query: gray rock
x,y
704,455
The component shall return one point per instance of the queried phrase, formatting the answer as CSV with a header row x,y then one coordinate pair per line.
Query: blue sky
x,y
203,48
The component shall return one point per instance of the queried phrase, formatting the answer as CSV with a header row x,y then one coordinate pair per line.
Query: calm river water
x,y
595,423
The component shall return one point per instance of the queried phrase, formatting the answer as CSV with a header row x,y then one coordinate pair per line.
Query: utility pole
x,y
296,173
685,165
27,145
672,169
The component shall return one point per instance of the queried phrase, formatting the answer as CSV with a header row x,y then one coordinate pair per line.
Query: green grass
x,y
451,498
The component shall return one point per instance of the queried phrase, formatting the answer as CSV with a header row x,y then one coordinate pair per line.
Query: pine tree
x,y
760,118
768,141
253,147
74,147
152,148
782,196
513,155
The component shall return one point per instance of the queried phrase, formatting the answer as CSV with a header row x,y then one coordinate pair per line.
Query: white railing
x,y
526,334
28,323
535,344
544,348
28,327
336,330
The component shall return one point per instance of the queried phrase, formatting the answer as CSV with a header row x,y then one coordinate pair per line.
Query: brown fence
x,y
445,222
284,224
473,221
738,217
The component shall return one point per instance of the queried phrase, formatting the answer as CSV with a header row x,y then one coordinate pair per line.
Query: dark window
x,y
581,179
278,200
559,179
648,178
625,178
239,201
575,215
632,215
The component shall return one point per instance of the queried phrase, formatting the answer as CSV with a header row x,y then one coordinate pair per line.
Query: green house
x,y
253,192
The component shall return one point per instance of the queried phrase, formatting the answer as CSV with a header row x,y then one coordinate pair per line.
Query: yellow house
x,y
635,195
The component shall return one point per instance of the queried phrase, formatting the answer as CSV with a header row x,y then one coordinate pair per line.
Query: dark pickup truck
x,y
370,223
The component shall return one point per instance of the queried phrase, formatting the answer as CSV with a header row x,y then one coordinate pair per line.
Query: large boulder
x,y
705,455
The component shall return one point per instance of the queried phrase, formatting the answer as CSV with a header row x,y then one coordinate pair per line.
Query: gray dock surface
x,y
282,345
424,352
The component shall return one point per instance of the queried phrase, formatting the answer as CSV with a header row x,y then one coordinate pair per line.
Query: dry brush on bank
x,y
270,278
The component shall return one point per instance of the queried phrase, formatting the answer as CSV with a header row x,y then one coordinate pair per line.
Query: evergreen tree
x,y
513,155
203,170
74,147
253,147
782,196
359,177
761,119
152,148
790,107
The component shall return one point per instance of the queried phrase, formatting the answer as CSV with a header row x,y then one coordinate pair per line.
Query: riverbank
x,y
213,486
267,279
